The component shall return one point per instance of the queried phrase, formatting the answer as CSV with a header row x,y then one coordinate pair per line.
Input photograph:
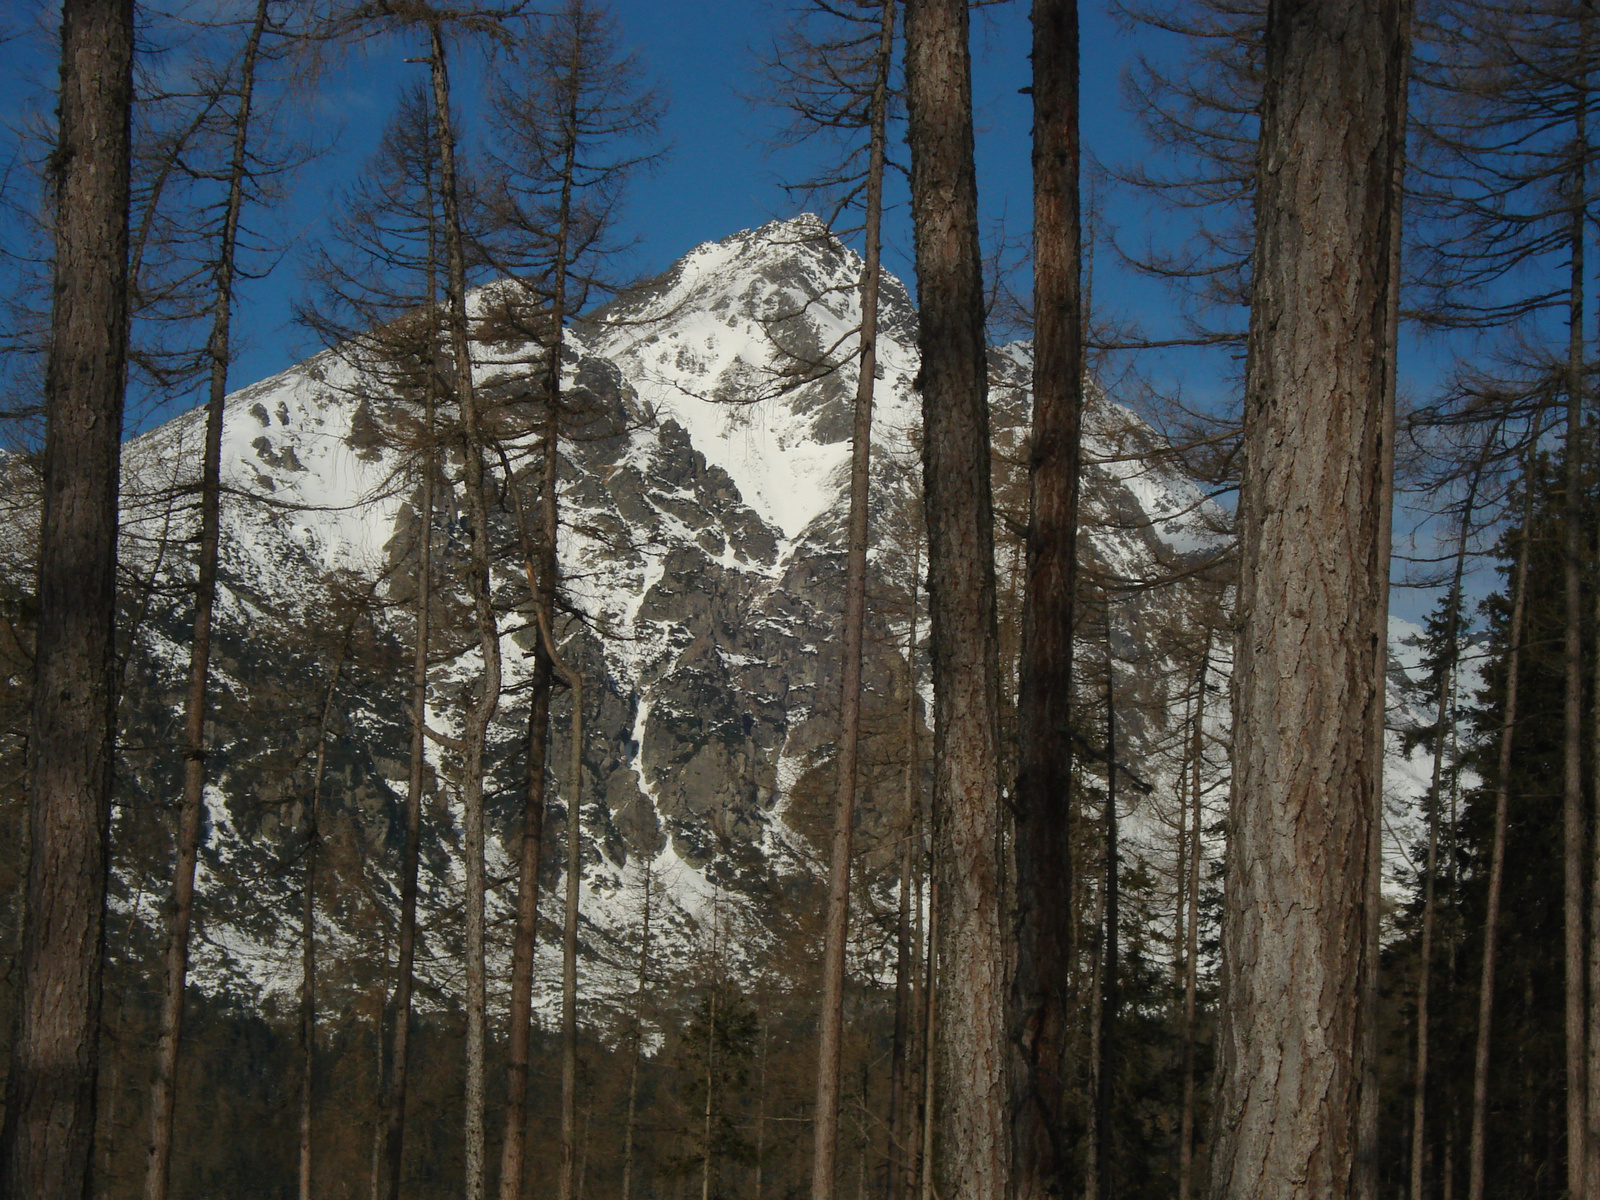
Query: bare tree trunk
x,y
1443,709
825,1123
48,1136
191,808
1572,811
1092,1175
399,1069
899,1064
481,710
1110,988
930,1046
1497,857
1045,936
974,1145
1592,1107
638,1048
569,930
1296,1039
543,582
1191,933
308,931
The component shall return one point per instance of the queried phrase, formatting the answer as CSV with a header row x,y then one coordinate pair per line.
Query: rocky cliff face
x,y
703,494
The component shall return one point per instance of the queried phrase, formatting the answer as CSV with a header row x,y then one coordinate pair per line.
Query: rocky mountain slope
x,y
703,499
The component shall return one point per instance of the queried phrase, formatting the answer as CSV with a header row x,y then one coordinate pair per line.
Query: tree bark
x,y
1045,936
825,1123
191,808
1295,1104
481,709
1497,858
48,1135
973,1147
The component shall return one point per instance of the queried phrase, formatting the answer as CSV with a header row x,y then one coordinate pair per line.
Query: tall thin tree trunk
x,y
191,808
1093,1177
1191,933
405,972
481,709
930,1046
974,1143
631,1127
1296,1043
308,930
1497,853
1572,811
825,1123
1443,708
569,928
1110,991
1043,803
543,583
1592,1107
905,966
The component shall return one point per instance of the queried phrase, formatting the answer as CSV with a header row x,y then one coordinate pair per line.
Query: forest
x,y
1114,714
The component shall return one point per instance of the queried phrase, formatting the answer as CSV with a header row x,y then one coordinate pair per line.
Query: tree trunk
x,y
1045,937
1442,713
191,808
543,583
1110,989
1296,1038
569,928
825,1123
973,1147
399,1069
481,709
930,1047
1572,811
899,1058
308,932
1191,933
1497,855
48,1136
638,1048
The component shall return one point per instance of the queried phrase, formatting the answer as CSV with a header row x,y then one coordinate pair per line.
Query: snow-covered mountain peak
x,y
749,343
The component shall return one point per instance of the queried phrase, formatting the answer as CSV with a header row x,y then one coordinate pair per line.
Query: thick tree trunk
x,y
48,1136
481,708
1573,818
308,933
825,1123
191,808
1296,1036
1497,857
1045,936
974,1146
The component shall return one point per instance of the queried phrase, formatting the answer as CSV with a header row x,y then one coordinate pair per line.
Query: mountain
x,y
704,497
